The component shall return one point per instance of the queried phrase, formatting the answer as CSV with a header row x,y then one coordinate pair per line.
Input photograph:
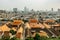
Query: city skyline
x,y
31,4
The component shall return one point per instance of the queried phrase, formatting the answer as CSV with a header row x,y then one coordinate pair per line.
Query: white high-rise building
x,y
26,10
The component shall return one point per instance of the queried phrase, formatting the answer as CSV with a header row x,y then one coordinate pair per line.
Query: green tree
x,y
5,38
37,37
14,38
29,38
12,32
43,38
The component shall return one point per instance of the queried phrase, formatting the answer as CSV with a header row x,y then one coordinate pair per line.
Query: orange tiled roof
x,y
17,22
14,29
18,35
43,33
50,20
35,25
5,28
33,21
56,25
20,30
27,25
46,25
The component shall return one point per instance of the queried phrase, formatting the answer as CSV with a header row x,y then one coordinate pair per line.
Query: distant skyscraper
x,y
15,10
32,11
52,9
26,10
58,10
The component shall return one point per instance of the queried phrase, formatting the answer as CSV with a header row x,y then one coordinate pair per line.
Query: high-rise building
x,y
58,10
52,9
15,10
33,11
26,10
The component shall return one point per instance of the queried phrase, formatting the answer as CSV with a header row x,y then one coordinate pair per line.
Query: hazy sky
x,y
31,4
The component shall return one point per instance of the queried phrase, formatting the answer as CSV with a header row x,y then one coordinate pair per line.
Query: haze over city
x,y
31,4
29,19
